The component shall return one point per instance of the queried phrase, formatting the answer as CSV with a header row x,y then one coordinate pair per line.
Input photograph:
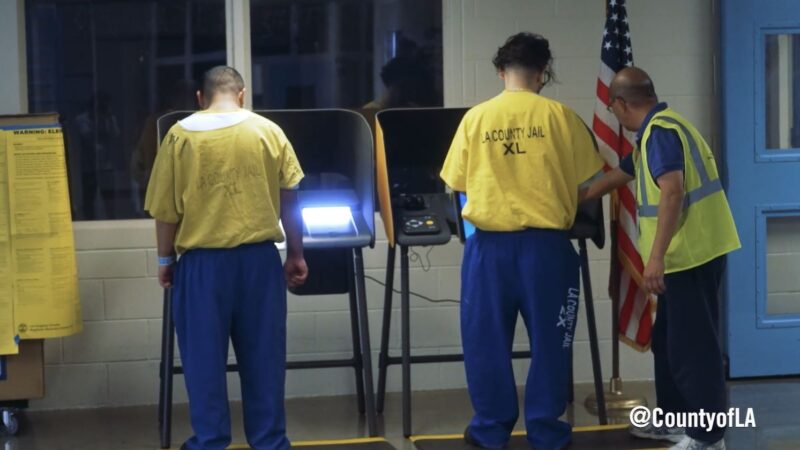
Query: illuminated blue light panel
x,y
328,220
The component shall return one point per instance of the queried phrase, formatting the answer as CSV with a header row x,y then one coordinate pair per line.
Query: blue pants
x,y
689,371
240,294
533,273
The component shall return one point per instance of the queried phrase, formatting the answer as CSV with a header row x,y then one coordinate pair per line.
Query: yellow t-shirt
x,y
520,158
218,175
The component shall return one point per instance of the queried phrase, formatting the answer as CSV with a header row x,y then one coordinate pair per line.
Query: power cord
x,y
417,258
427,299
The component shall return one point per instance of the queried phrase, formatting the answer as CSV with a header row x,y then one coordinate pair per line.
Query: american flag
x,y
635,307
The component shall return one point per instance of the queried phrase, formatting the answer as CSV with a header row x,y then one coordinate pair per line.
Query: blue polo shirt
x,y
664,148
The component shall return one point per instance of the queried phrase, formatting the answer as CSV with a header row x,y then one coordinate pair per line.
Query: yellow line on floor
x,y
434,437
600,428
339,441
441,437
310,443
230,447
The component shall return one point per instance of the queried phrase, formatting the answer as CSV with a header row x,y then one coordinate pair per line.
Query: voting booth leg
x,y
358,361
590,322
166,369
366,350
383,356
571,379
405,331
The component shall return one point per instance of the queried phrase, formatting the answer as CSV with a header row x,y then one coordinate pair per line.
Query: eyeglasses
x,y
547,77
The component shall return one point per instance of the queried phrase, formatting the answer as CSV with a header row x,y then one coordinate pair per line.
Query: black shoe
x,y
470,440
474,443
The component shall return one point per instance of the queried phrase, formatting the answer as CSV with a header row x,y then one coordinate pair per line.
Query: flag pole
x,y
618,404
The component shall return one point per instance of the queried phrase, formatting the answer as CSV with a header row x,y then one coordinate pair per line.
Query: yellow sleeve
x,y
162,200
291,173
454,171
586,157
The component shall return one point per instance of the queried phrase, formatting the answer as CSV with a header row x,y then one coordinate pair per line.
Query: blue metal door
x,y
760,49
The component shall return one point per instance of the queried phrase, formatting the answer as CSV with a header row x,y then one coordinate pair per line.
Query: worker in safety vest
x,y
685,229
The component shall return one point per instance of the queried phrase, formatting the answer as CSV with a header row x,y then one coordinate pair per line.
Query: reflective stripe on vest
x,y
706,188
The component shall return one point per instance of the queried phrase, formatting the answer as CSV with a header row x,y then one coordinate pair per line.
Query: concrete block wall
x,y
114,362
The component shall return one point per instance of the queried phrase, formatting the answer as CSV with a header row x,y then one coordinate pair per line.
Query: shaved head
x,y
634,86
222,80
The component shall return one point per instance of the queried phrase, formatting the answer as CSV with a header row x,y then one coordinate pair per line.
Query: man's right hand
x,y
165,276
605,184
295,270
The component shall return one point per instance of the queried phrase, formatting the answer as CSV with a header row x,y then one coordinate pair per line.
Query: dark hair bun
x,y
527,50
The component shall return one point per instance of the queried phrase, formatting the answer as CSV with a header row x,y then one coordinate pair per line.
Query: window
x,y
110,69
355,54
783,259
783,91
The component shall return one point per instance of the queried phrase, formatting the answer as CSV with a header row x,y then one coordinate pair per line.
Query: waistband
x,y
526,232
237,249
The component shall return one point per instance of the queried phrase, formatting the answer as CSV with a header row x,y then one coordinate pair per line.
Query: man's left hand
x,y
654,276
295,270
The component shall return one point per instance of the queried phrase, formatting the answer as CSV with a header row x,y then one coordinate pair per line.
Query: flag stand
x,y
618,404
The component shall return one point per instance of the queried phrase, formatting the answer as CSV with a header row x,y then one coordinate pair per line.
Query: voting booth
x,y
415,142
418,211
336,199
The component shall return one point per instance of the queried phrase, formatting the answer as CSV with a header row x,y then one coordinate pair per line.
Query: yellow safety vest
x,y
705,229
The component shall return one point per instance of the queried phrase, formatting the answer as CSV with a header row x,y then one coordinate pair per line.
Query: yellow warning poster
x,y
8,344
41,260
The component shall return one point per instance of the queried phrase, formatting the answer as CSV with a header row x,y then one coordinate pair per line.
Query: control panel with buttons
x,y
425,224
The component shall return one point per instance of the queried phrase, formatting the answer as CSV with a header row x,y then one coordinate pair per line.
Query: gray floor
x,y
776,405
